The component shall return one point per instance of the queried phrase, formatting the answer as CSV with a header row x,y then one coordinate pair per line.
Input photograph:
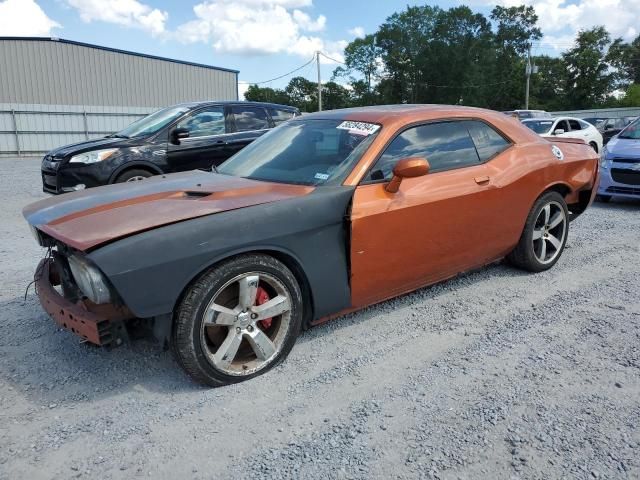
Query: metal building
x,y
55,91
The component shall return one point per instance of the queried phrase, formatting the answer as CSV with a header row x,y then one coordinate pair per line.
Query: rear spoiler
x,y
566,140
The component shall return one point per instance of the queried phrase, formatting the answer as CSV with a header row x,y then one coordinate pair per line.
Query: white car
x,y
566,127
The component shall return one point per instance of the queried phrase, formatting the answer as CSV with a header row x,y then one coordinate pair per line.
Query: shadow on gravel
x,y
618,204
50,365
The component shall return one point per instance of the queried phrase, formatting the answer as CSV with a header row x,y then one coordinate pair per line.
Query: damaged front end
x,y
79,298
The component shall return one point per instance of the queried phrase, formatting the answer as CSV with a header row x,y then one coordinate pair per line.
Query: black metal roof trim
x,y
117,50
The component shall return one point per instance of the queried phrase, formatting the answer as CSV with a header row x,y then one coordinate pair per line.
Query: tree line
x,y
426,54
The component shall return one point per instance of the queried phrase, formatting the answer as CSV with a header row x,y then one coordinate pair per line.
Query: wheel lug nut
x,y
254,316
250,328
238,329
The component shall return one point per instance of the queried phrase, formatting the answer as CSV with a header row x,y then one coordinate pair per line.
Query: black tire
x,y
603,198
524,255
594,145
130,175
187,338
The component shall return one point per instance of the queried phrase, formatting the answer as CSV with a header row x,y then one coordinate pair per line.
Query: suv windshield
x,y
539,126
631,131
304,152
152,123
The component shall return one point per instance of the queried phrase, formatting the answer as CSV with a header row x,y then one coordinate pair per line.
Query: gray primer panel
x,y
151,269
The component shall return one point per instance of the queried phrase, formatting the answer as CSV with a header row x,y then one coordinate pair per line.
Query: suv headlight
x,y
90,280
93,156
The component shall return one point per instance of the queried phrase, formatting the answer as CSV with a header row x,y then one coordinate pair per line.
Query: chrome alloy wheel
x,y
549,232
137,178
245,324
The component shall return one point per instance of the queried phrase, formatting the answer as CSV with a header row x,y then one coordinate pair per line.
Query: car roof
x,y
234,102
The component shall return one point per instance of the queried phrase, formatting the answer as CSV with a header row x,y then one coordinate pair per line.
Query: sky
x,y
264,39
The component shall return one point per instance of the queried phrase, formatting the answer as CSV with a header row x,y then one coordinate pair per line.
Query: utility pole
x,y
319,83
528,71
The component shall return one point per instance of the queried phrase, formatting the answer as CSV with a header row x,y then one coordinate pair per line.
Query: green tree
x,y
632,97
303,94
515,30
548,85
335,96
589,77
257,94
361,56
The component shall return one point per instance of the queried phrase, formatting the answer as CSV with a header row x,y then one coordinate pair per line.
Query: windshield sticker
x,y
359,128
321,176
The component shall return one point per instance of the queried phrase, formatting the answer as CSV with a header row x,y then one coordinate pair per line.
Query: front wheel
x,y
238,320
544,236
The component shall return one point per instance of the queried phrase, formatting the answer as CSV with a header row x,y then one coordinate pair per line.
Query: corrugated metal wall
x,y
66,73
34,129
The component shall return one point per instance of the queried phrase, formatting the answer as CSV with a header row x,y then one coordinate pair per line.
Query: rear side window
x,y
446,146
280,115
249,118
204,123
488,142
575,125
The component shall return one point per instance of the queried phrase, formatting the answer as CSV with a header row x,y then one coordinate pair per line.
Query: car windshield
x,y
539,126
304,152
631,131
152,123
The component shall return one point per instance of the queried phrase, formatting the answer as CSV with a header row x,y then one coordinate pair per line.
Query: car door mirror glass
x,y
558,131
407,167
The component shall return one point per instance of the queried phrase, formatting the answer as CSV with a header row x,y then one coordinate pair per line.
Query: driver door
x,y
207,142
434,226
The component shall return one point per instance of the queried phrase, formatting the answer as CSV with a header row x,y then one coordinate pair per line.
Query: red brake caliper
x,y
263,297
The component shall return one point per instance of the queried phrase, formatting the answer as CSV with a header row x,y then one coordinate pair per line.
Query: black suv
x,y
182,137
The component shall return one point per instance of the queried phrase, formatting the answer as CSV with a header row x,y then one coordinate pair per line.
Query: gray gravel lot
x,y
495,374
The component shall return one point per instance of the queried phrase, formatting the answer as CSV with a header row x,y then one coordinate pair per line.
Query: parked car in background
x,y
188,136
329,213
522,114
609,127
620,165
568,127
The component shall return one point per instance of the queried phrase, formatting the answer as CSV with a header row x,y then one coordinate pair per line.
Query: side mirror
x,y
178,133
407,167
558,131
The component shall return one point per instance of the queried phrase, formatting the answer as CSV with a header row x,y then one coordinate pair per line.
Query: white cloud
x,y
129,13
24,18
562,18
357,32
307,23
257,27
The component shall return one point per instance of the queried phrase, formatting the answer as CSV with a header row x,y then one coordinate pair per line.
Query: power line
x,y
285,75
332,59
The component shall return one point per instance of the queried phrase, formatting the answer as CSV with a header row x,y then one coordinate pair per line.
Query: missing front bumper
x,y
99,324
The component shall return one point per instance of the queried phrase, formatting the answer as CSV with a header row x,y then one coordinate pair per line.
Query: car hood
x,y
90,218
623,147
88,145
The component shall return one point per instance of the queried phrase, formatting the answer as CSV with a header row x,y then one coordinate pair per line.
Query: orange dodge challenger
x,y
328,213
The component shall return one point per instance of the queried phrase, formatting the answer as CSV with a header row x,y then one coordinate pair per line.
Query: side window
x,y
562,124
209,121
445,145
488,142
619,123
575,125
280,116
249,118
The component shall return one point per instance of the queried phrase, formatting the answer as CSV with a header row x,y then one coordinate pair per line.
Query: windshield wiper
x,y
116,135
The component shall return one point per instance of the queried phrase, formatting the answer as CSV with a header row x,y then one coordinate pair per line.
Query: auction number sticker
x,y
359,128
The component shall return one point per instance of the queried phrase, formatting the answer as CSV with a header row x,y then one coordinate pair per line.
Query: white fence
x,y
36,129
600,112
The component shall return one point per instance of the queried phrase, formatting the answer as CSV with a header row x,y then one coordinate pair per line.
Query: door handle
x,y
221,142
482,180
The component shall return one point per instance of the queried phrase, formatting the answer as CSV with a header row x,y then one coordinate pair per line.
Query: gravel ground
x,y
495,374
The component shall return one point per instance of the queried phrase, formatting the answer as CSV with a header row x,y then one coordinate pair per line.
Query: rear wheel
x,y
238,320
544,236
133,175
